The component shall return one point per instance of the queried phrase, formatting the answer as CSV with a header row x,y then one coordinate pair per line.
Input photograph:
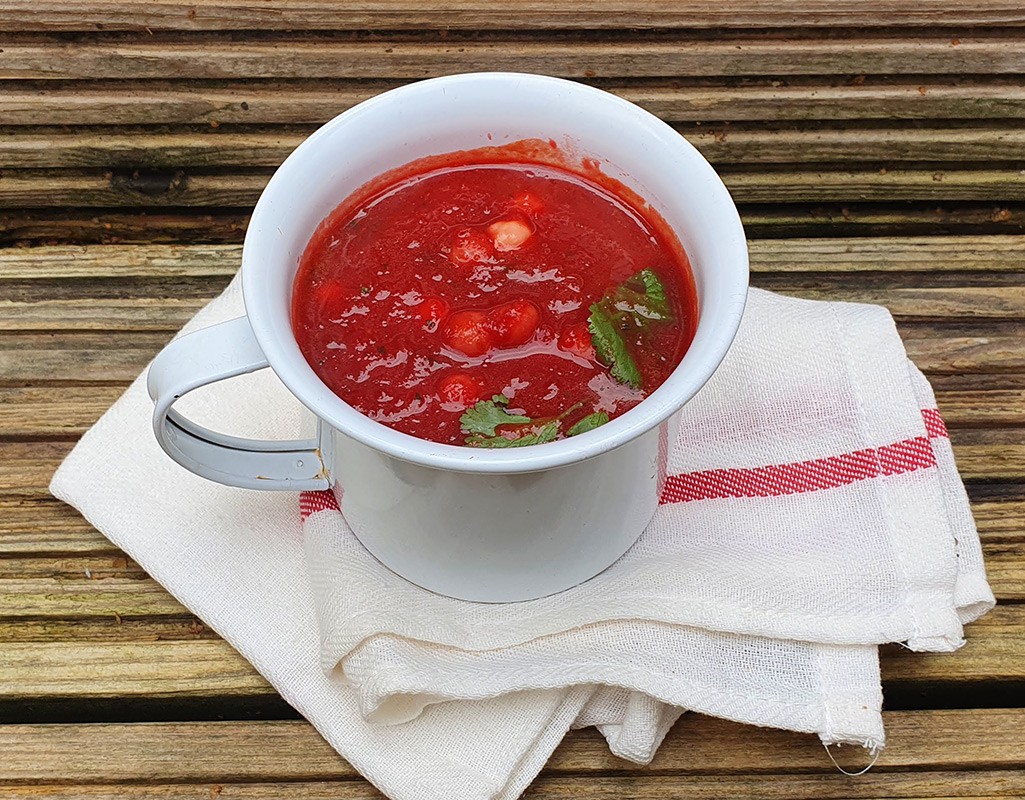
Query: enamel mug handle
x,y
207,356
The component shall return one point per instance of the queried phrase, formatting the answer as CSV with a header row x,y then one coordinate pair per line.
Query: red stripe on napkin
x,y
934,424
770,481
312,502
809,476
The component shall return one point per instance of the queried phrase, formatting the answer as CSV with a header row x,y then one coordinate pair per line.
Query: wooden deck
x,y
876,150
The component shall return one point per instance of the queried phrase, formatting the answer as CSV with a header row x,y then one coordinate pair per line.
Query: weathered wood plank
x,y
52,148
49,148
41,189
265,750
767,221
721,56
113,189
26,467
50,412
957,355
730,145
42,526
83,586
137,314
889,254
926,254
135,15
318,101
214,226
210,667
903,786
872,186
1003,302
101,595
981,408
105,357
169,314
77,357
156,669
30,526
43,227
1005,569
995,652
1000,521
92,226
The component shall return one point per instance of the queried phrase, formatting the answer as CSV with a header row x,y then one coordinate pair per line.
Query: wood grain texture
x,y
31,526
141,148
179,188
265,751
170,313
160,122
316,101
67,411
292,58
898,786
68,667
84,226
43,526
107,356
135,15
82,586
26,467
155,669
842,256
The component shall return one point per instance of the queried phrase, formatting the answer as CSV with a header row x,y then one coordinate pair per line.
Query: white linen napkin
x,y
811,511
809,515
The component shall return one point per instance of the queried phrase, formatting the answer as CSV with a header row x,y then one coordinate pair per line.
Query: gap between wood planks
x,y
91,226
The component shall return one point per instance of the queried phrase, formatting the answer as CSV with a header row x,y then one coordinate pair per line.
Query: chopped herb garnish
x,y
588,423
482,422
487,415
610,347
633,305
546,433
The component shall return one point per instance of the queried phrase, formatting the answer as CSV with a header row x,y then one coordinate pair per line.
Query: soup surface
x,y
493,303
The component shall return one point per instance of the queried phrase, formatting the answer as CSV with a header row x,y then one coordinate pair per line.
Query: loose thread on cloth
x,y
875,751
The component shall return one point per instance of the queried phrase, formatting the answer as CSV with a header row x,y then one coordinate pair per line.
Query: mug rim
x,y
653,410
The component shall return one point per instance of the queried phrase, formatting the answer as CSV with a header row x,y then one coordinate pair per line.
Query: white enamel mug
x,y
476,524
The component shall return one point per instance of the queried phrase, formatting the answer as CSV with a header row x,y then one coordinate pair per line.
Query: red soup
x,y
493,304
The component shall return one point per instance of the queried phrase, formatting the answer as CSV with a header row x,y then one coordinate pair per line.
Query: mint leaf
x,y
610,347
546,433
588,423
487,415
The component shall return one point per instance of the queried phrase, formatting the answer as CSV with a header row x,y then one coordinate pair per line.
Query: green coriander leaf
x,y
588,423
546,433
640,299
610,347
654,289
487,415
